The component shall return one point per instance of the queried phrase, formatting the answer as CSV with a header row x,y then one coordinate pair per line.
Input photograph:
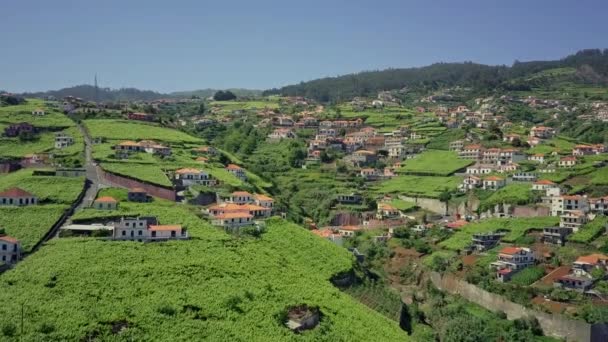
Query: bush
x,y
166,310
9,330
46,328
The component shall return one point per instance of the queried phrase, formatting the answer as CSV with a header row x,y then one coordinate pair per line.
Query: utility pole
x,y
22,318
96,90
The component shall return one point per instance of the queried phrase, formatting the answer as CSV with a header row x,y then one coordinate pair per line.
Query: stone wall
x,y
528,211
346,219
435,205
129,183
557,326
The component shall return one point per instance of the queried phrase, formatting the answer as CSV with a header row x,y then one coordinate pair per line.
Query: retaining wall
x,y
129,183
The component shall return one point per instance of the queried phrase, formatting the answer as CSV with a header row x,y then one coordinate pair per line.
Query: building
x,y
561,204
493,183
237,171
584,265
485,241
38,112
471,152
10,250
599,205
138,195
369,174
105,203
264,201
386,210
511,260
281,133
147,229
456,145
542,132
349,198
233,220
241,197
543,185
17,197
469,183
348,231
556,235
480,169
524,177
567,161
573,219
362,158
17,129
539,158
205,150
140,117
63,140
191,176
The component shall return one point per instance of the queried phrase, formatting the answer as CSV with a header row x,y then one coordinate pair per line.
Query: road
x,y
91,168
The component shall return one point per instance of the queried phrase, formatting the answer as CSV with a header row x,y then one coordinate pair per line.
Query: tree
x,y
224,95
445,196
201,109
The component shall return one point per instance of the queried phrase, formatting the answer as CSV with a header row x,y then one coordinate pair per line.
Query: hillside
x,y
591,68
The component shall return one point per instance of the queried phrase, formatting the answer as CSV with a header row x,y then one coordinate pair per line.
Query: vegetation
x,y
417,185
514,194
30,224
528,275
590,231
435,163
125,130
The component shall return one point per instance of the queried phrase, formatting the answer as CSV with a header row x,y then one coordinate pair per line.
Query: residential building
x,y
471,152
15,130
10,250
561,204
511,260
539,158
348,231
191,176
231,208
456,145
556,235
349,198
241,197
485,241
584,265
105,203
233,220
281,133
361,158
524,177
18,197
63,140
263,201
147,229
573,219
236,171
38,112
480,169
469,183
567,161
542,132
599,205
543,185
493,183
369,174
138,195
386,210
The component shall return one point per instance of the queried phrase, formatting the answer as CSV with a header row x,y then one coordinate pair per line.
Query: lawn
x,y
402,205
417,185
23,113
516,228
434,163
151,173
590,231
29,224
214,287
61,190
127,130
528,276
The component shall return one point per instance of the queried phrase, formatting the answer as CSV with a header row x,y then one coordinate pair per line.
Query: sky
x,y
193,44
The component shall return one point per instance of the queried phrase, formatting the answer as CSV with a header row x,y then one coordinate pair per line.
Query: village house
x,y
567,162
542,132
17,129
599,205
539,158
105,203
283,121
511,137
493,183
348,231
140,117
386,211
256,211
152,147
581,278
369,174
573,219
328,234
233,220
138,195
471,152
326,132
524,177
349,198
17,197
556,235
456,145
241,197
543,185
484,241
10,250
586,150
307,122
205,150
361,158
124,148
470,182
263,201
191,176
561,204
511,260
281,133
237,171
146,229
38,112
480,169
63,140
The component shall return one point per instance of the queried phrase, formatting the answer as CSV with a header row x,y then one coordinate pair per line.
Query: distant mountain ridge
x,y
591,67
88,92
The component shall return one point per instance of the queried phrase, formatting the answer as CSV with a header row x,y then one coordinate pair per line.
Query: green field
x,y
559,145
528,276
402,205
590,231
147,172
62,190
126,130
417,185
23,113
516,228
213,287
434,163
29,224
514,193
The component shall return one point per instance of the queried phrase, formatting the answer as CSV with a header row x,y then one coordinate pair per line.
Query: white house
x,y
191,176
146,229
38,112
10,249
569,161
543,185
493,183
63,140
237,171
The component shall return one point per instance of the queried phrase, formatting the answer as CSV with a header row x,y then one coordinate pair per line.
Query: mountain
x,y
591,67
203,93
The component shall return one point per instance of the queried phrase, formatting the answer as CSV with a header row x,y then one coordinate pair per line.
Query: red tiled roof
x,y
106,199
9,239
137,190
544,182
510,250
166,227
233,167
592,259
494,178
241,193
457,224
233,215
15,193
261,197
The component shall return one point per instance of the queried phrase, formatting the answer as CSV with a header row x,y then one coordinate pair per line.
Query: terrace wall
x,y
553,325
526,211
435,205
113,179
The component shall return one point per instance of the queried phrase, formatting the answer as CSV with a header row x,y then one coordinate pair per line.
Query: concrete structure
x,y
105,203
511,260
236,171
17,197
146,229
556,235
63,140
493,183
10,250
138,195
191,176
38,112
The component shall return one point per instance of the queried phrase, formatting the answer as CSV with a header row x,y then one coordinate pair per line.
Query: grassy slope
x,y
417,185
435,162
240,287
119,129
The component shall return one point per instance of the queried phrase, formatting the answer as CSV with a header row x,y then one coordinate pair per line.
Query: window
x,y
124,233
140,233
3,247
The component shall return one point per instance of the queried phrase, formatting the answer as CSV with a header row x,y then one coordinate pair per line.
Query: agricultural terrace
x,y
227,107
53,118
590,231
514,193
434,163
30,223
516,228
557,144
44,142
127,130
417,185
212,287
402,205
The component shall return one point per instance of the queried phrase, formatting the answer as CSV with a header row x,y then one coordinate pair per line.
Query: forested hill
x,y
591,65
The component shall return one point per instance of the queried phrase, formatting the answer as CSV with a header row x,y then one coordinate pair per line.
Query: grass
x,y
126,130
146,172
516,228
23,113
45,142
590,231
402,205
417,185
62,190
528,276
213,287
29,224
557,144
514,193
435,163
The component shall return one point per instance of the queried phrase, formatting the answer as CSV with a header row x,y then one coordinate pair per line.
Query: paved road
x,y
92,170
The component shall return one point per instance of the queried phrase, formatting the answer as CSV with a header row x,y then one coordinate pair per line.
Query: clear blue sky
x,y
193,44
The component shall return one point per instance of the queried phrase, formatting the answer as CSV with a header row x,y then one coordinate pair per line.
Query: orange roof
x,y
166,227
349,228
9,239
569,158
202,159
187,170
233,167
226,207
572,197
253,207
241,193
129,143
386,206
233,215
494,178
592,259
544,182
15,192
472,147
457,224
325,233
106,199
261,197
510,250
137,190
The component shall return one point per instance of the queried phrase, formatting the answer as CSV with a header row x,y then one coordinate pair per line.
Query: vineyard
x,y
213,287
29,224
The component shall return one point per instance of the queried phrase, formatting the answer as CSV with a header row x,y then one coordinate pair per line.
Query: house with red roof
x,y
192,176
386,211
138,195
599,205
573,219
240,197
237,171
18,197
233,220
511,260
493,183
569,161
543,185
38,112
147,228
264,201
105,203
473,151
10,250
542,132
